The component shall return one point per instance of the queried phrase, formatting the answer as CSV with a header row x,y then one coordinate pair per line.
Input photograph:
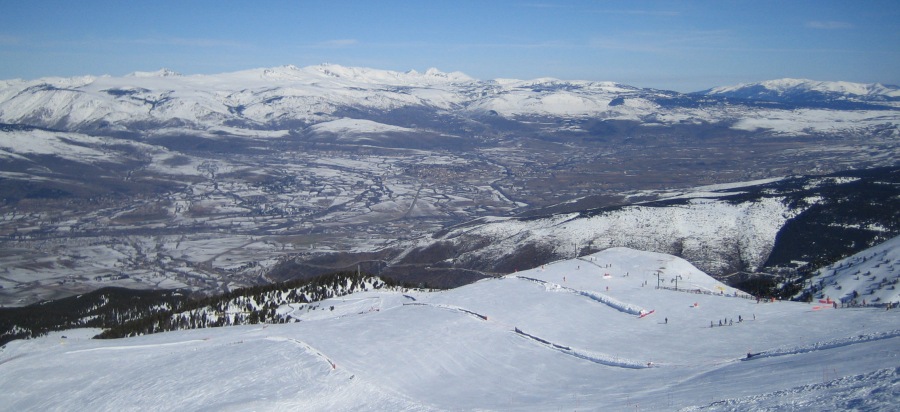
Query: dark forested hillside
x,y
101,308
847,218
123,312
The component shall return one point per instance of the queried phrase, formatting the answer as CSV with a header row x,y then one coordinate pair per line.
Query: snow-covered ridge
x,y
787,87
707,231
722,229
159,73
269,98
256,98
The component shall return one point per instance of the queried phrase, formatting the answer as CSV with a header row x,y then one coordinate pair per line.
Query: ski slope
x,y
566,336
869,277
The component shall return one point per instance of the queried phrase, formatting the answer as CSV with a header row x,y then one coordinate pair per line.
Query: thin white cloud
x,y
828,25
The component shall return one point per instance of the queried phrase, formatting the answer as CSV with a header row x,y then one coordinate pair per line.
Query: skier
x,y
667,321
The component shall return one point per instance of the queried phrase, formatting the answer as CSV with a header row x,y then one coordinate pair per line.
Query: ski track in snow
x,y
595,296
836,343
450,308
599,358
12,358
878,387
306,347
132,347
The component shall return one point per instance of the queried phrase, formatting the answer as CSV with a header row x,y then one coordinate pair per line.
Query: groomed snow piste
x,y
593,333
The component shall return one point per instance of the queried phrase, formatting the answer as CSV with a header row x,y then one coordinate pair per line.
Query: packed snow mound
x,y
563,336
870,277
688,276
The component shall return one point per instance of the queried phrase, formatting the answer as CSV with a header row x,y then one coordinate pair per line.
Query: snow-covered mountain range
x,y
589,333
290,97
211,182
804,91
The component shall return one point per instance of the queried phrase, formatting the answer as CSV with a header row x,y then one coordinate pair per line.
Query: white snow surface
x,y
71,146
550,338
748,227
787,85
346,125
873,274
267,98
82,148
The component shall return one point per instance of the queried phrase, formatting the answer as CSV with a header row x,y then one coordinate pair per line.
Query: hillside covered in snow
x,y
592,333
290,97
755,226
869,277
806,92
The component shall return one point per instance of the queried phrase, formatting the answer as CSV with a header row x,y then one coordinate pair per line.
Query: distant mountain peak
x,y
791,89
434,72
164,72
275,97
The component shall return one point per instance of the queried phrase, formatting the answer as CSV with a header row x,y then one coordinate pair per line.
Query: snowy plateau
x,y
592,333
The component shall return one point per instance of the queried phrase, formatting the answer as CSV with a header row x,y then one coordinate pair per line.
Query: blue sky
x,y
677,45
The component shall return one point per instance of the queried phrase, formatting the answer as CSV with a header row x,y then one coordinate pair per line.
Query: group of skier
x,y
729,322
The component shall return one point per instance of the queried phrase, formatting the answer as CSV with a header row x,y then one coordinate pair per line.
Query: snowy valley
x,y
158,180
344,238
